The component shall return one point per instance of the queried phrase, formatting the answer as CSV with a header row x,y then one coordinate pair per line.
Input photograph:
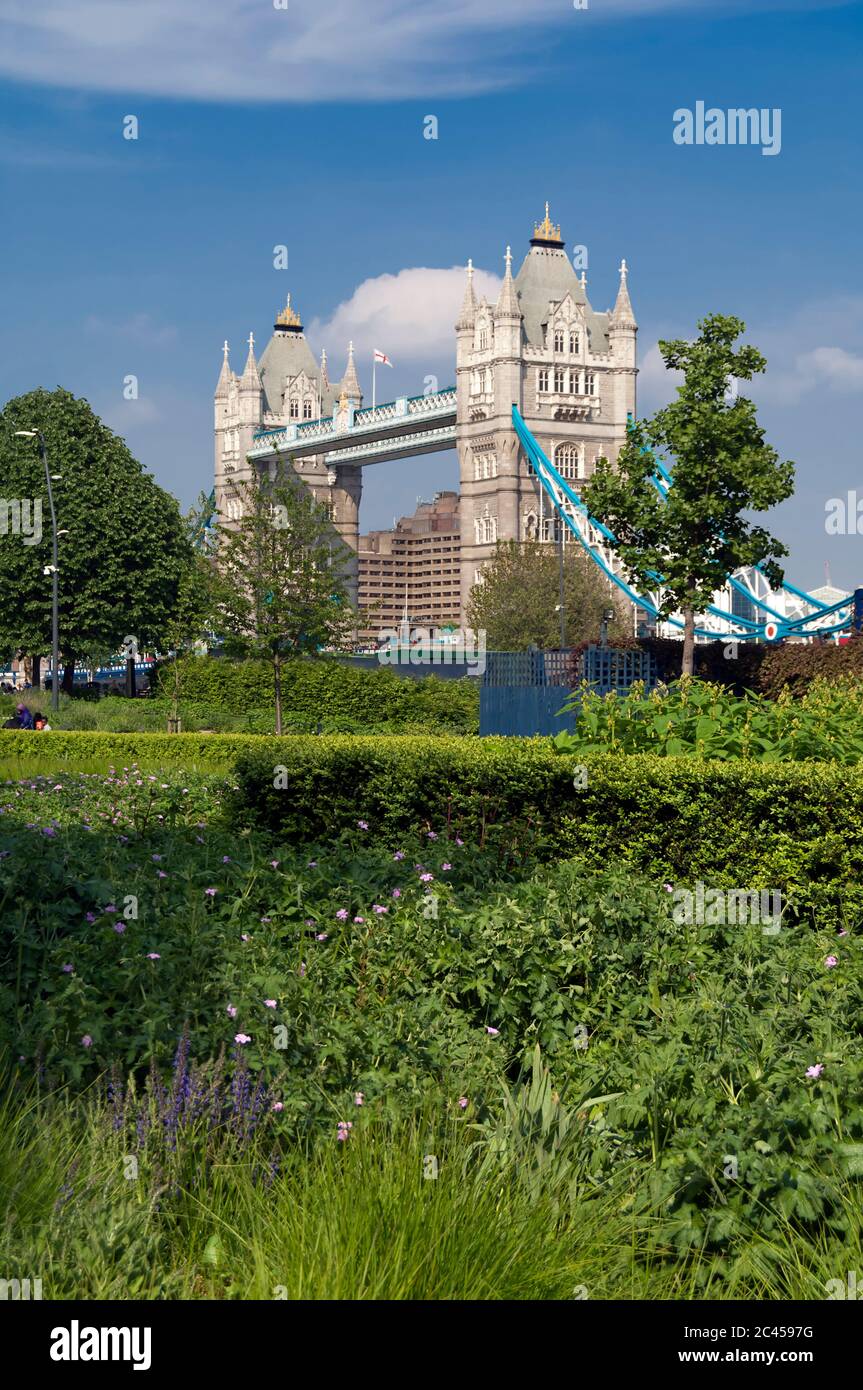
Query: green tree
x,y
722,468
283,574
517,601
126,551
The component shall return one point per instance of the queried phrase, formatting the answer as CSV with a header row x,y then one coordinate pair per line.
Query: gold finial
x,y
547,231
289,318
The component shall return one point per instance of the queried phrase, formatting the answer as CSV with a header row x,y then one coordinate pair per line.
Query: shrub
x,y
324,688
795,665
788,827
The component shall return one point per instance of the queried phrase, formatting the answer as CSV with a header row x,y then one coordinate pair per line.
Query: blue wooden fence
x,y
522,693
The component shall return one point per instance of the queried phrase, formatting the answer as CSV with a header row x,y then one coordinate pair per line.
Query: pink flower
x,y
843,932
226,859
242,1039
119,928
153,955
830,961
313,863
274,863
270,1003
156,858
210,892
232,1011
161,874
363,824
359,1097
342,914
67,969
458,841
397,892
444,867
399,854
87,1041
379,910
359,921
816,1070
492,1032
426,878
244,936
321,936
462,1102
278,1105
432,835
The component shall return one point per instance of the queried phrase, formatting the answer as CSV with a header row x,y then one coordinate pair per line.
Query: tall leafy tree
x,y
125,551
517,601
722,469
283,574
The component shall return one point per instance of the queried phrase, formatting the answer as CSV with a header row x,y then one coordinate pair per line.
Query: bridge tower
x,y
287,387
570,370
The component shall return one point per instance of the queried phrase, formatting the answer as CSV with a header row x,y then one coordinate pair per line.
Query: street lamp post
x,y
55,617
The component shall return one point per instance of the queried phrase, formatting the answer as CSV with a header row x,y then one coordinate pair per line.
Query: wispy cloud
x,y
233,50
140,328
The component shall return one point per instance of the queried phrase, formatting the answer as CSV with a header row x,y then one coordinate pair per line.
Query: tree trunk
x,y
68,673
688,663
36,673
277,675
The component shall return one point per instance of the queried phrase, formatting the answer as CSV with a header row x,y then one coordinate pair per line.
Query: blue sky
x,y
303,126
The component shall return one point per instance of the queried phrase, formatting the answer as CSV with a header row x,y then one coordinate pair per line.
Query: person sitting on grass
x,y
40,723
25,718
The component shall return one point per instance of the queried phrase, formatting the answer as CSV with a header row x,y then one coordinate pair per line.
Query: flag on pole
x,y
382,357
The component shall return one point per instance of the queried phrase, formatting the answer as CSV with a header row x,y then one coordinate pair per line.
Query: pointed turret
x,y
226,376
622,315
250,377
507,306
325,380
467,316
350,386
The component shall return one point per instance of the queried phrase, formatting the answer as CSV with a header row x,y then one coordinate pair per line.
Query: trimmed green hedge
x,y
797,828
324,689
81,749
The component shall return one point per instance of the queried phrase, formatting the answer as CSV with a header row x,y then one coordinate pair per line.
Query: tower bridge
x,y
569,369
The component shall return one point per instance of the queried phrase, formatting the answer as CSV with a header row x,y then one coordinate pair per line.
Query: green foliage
x,y
324,689
515,603
706,721
788,826
722,470
796,665
126,552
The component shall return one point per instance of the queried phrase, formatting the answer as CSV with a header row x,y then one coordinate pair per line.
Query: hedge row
x,y
793,828
325,688
82,749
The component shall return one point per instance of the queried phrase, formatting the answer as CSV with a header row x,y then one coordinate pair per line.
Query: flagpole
x,y
374,369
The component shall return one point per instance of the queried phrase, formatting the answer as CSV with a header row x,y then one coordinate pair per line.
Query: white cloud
x,y
410,315
234,50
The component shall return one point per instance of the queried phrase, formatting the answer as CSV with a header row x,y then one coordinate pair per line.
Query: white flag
x,y
382,357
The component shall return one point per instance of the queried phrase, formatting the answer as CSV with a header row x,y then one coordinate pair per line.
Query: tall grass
x,y
360,1218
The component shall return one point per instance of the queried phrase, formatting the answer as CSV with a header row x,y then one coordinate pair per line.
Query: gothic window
x,y
294,412
489,529
566,460
573,342
542,380
486,380
559,379
589,384
483,339
574,378
558,340
307,410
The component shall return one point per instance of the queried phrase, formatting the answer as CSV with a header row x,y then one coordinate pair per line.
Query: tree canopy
x,y
722,468
126,551
517,599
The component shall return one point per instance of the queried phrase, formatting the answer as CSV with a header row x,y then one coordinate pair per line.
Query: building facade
x,y
570,370
413,570
541,346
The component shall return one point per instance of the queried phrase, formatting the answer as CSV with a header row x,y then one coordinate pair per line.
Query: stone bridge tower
x,y
571,371
286,386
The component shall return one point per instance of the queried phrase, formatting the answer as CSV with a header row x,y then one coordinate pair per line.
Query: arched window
x,y
558,340
589,384
573,342
294,412
574,383
559,379
483,339
489,529
567,460
307,410
542,380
